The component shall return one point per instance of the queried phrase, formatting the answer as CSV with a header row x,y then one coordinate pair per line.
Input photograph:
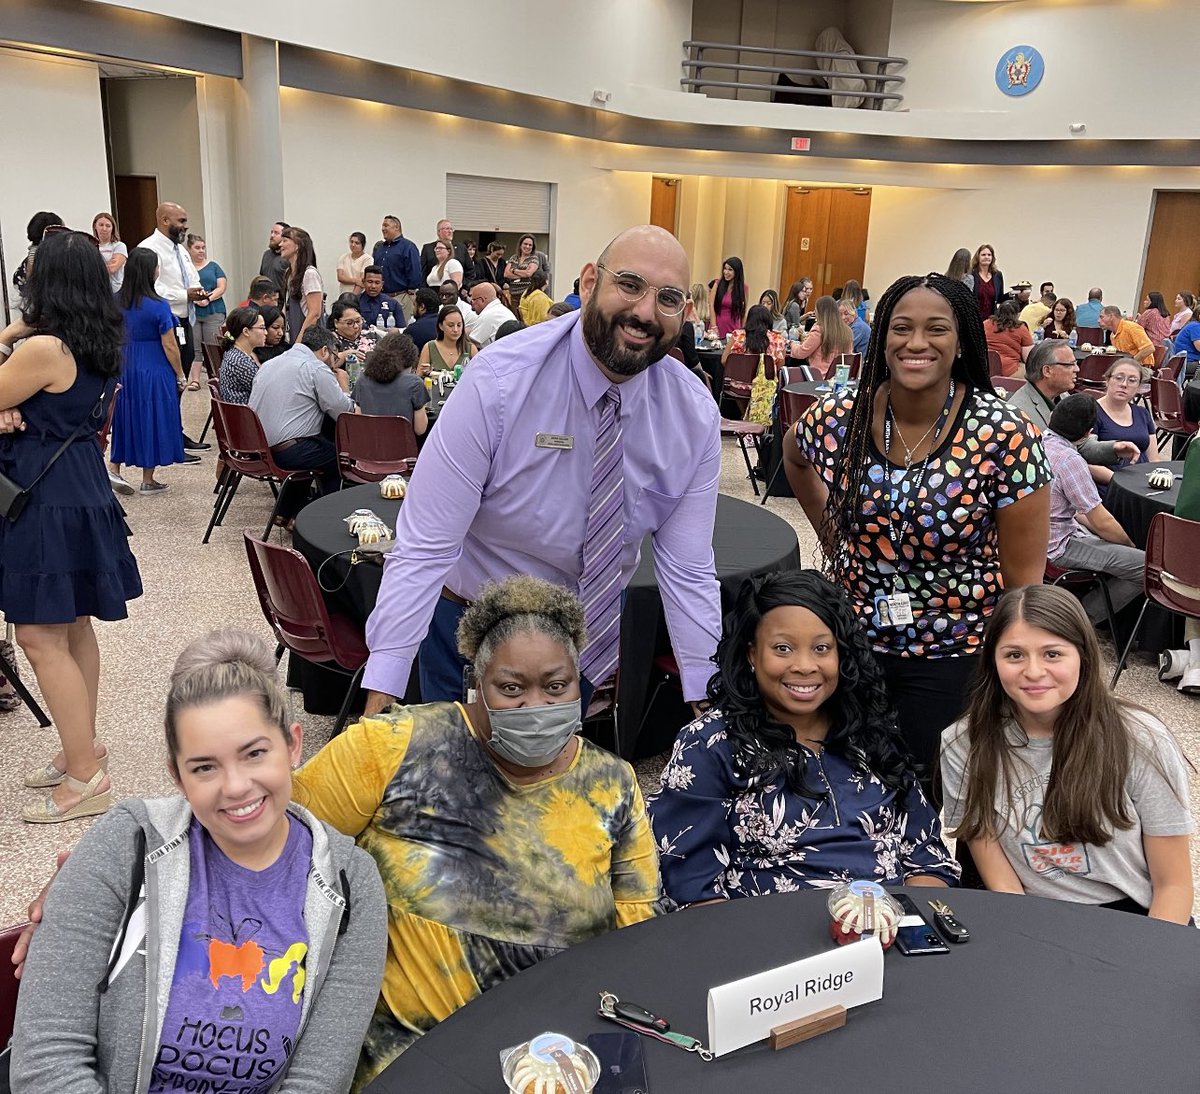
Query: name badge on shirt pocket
x,y
553,440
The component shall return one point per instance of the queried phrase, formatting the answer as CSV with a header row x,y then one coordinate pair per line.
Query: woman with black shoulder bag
x,y
64,550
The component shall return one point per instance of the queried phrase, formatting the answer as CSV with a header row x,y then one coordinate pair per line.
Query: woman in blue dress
x,y
66,557
797,778
146,430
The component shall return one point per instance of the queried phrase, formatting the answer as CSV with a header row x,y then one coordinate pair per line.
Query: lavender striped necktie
x,y
600,582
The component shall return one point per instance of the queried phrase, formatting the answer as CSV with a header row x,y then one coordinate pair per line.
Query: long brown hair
x,y
1093,746
836,337
305,256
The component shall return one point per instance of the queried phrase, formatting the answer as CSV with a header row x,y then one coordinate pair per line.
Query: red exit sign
x,y
801,144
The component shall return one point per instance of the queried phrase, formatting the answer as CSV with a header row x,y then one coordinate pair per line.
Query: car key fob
x,y
946,922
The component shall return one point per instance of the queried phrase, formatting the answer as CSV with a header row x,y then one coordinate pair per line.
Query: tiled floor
x,y
192,588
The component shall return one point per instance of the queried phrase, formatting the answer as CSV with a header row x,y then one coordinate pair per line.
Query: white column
x,y
258,155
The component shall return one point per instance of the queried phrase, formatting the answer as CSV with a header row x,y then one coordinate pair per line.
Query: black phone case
x,y
917,941
622,1068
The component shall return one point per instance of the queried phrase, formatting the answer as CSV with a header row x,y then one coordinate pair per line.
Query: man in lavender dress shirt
x,y
503,482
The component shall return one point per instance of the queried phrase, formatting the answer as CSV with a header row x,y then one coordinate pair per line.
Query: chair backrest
x,y
211,356
793,407
1008,384
1166,404
371,446
291,600
795,374
1173,563
246,448
1176,363
995,364
1160,355
740,368
1093,368
677,353
1093,336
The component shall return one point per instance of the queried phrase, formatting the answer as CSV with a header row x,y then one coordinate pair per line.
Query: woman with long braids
x,y
797,777
727,298
929,496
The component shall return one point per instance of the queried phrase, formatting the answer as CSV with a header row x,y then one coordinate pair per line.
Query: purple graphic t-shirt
x,y
234,1010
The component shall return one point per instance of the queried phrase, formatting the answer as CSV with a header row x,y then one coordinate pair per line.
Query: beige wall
x,y
59,166
410,155
155,130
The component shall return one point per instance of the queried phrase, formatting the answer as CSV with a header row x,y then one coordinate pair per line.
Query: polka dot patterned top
x,y
948,562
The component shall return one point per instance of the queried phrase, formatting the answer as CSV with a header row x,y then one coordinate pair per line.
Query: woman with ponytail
x,y
244,937
245,334
929,496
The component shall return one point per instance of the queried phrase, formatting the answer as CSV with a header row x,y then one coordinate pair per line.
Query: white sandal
x,y
91,804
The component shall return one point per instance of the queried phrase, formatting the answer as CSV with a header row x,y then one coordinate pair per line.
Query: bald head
x,y
646,242
481,295
633,299
172,221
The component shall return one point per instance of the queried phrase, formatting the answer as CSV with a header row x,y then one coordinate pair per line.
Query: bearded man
x,y
563,446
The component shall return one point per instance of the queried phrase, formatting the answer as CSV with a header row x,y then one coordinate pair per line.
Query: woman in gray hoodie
x,y
243,937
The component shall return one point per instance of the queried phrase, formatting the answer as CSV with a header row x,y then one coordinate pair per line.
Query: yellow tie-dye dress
x,y
484,877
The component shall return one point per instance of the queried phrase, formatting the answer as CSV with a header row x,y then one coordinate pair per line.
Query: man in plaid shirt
x,y
1083,534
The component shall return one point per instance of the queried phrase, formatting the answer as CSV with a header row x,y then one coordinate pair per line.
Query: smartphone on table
x,y
915,936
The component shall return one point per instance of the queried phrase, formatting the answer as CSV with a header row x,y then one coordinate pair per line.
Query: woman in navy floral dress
x,y
797,778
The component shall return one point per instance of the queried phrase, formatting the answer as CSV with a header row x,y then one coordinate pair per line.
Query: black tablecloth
x,y
746,541
1133,503
819,388
710,361
1047,996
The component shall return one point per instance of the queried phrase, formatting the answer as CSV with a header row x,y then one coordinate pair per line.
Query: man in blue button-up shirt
x,y
400,261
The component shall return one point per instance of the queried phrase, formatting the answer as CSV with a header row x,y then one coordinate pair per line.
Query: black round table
x,y
710,361
747,540
1047,996
1132,500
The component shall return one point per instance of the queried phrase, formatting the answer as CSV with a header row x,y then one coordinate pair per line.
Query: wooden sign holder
x,y
792,1033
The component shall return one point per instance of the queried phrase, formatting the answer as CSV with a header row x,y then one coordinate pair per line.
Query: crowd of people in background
x,y
926,643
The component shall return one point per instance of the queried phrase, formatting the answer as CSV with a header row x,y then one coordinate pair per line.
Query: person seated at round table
x,y
1154,318
1062,788
245,333
797,778
503,837
769,299
1060,323
827,339
451,348
1118,418
757,337
243,936
276,341
1009,337
389,383
1187,341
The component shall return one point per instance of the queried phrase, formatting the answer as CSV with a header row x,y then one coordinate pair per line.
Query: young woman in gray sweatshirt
x,y
242,937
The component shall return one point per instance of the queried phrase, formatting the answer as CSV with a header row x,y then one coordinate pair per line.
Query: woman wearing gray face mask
x,y
502,837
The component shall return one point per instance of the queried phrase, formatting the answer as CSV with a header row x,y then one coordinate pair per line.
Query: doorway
x,y
1172,259
824,237
663,196
137,200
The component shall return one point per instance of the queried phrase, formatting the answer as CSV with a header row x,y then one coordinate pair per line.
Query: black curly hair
x,y
843,509
862,722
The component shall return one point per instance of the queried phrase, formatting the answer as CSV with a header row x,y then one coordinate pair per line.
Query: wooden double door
x,y
824,237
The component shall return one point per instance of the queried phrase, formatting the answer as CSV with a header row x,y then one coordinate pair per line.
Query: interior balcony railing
x,y
846,77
